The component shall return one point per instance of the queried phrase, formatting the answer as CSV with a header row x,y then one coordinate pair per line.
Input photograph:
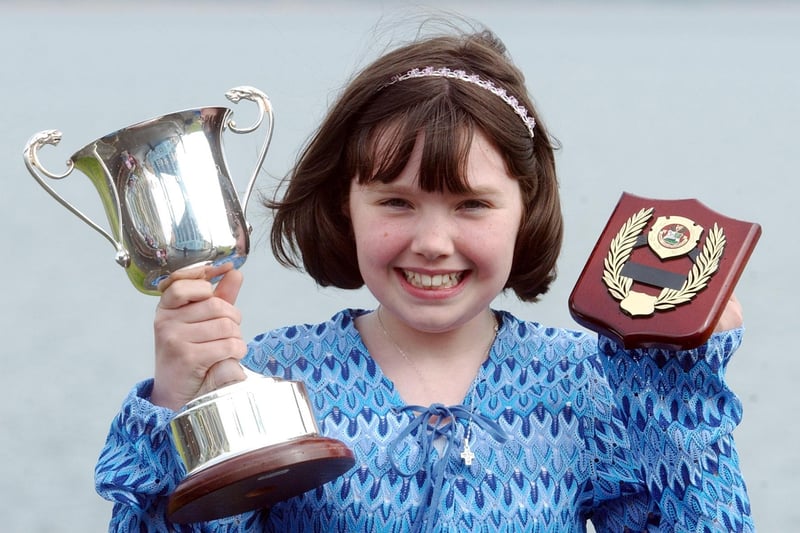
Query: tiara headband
x,y
445,72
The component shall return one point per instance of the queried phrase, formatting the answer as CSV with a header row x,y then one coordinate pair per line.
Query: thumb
x,y
228,287
225,372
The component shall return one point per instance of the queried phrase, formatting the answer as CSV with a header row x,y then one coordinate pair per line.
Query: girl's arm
x,y
197,342
680,416
139,468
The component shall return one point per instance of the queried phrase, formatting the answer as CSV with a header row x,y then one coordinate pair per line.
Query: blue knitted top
x,y
565,428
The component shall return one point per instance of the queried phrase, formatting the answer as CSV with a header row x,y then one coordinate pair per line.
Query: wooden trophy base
x,y
258,479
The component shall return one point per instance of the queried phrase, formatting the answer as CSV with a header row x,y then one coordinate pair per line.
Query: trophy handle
x,y
264,108
30,154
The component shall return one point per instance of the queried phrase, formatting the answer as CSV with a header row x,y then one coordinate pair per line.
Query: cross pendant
x,y
467,454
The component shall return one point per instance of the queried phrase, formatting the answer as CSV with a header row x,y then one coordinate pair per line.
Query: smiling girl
x,y
432,182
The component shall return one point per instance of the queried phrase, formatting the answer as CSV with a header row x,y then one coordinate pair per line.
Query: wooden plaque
x,y
662,272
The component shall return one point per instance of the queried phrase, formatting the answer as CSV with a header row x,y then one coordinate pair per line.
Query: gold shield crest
x,y
679,240
673,236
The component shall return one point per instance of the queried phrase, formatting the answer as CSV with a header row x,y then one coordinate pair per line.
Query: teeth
x,y
438,281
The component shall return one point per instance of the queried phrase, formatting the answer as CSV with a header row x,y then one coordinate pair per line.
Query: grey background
x,y
664,100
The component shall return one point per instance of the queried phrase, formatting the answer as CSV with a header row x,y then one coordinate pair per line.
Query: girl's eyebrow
x,y
396,188
392,186
481,190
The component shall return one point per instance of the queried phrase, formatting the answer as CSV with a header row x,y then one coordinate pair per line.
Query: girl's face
x,y
437,260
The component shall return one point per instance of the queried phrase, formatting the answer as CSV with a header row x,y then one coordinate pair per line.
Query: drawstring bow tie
x,y
438,421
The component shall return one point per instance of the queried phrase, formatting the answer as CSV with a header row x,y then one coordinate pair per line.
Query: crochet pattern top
x,y
565,428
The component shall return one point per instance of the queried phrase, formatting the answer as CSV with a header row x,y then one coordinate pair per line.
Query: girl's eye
x,y
474,204
394,202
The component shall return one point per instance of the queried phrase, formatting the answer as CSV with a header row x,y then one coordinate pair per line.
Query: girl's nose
x,y
433,236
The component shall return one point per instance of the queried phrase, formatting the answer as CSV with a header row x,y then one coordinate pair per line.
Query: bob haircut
x,y
369,134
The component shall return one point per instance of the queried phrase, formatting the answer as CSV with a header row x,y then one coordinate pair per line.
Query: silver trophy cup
x,y
171,204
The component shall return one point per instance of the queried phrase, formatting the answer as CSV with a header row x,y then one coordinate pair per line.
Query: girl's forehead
x,y
443,155
483,166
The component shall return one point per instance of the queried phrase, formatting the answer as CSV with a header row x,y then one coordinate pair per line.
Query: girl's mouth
x,y
433,282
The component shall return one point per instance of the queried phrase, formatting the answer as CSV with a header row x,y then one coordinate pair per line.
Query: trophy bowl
x,y
171,204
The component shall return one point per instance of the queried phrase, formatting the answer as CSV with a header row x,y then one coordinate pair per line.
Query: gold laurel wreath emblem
x,y
620,251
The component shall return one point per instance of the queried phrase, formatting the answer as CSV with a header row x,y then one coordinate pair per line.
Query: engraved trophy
x,y
662,272
171,204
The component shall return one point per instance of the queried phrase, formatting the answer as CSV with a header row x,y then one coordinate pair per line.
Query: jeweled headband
x,y
445,72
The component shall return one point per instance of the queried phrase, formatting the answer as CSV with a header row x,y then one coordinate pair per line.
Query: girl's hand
x,y
198,342
731,316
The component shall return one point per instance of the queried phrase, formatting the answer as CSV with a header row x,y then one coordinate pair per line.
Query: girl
x,y
432,182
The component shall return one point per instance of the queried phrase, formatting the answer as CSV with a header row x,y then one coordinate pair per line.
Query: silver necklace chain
x,y
466,453
401,351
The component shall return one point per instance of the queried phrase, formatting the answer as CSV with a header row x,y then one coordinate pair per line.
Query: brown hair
x,y
369,134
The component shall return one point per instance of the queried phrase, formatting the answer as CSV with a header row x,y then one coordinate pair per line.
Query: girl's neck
x,y
450,346
428,367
